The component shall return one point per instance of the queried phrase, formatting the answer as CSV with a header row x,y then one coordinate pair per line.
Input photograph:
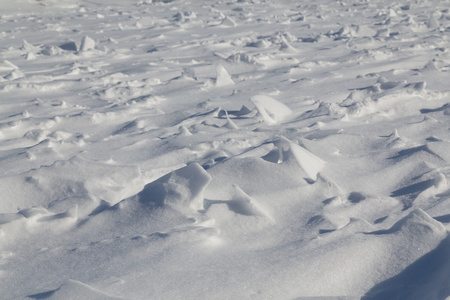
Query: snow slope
x,y
241,149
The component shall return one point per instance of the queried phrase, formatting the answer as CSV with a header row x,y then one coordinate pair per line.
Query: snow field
x,y
162,149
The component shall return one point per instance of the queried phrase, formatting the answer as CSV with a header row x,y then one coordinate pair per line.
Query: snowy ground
x,y
249,149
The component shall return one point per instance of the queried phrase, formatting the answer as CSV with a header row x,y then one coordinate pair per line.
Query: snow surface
x,y
237,149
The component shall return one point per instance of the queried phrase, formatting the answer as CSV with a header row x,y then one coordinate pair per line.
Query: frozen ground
x,y
250,149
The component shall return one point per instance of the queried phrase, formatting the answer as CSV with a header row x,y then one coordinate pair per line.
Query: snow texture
x,y
167,149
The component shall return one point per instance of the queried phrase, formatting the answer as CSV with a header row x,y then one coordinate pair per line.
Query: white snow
x,y
167,149
223,78
270,109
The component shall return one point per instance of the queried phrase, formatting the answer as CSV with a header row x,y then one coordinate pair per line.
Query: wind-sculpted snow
x,y
166,149
270,109
72,289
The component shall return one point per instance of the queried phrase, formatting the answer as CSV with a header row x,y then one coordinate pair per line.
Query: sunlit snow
x,y
236,149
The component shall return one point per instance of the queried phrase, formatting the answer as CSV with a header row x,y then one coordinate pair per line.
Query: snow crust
x,y
168,149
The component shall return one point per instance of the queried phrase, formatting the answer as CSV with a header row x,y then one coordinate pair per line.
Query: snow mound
x,y
308,162
426,278
63,184
223,78
228,22
181,189
87,44
417,223
286,46
6,65
243,204
270,109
